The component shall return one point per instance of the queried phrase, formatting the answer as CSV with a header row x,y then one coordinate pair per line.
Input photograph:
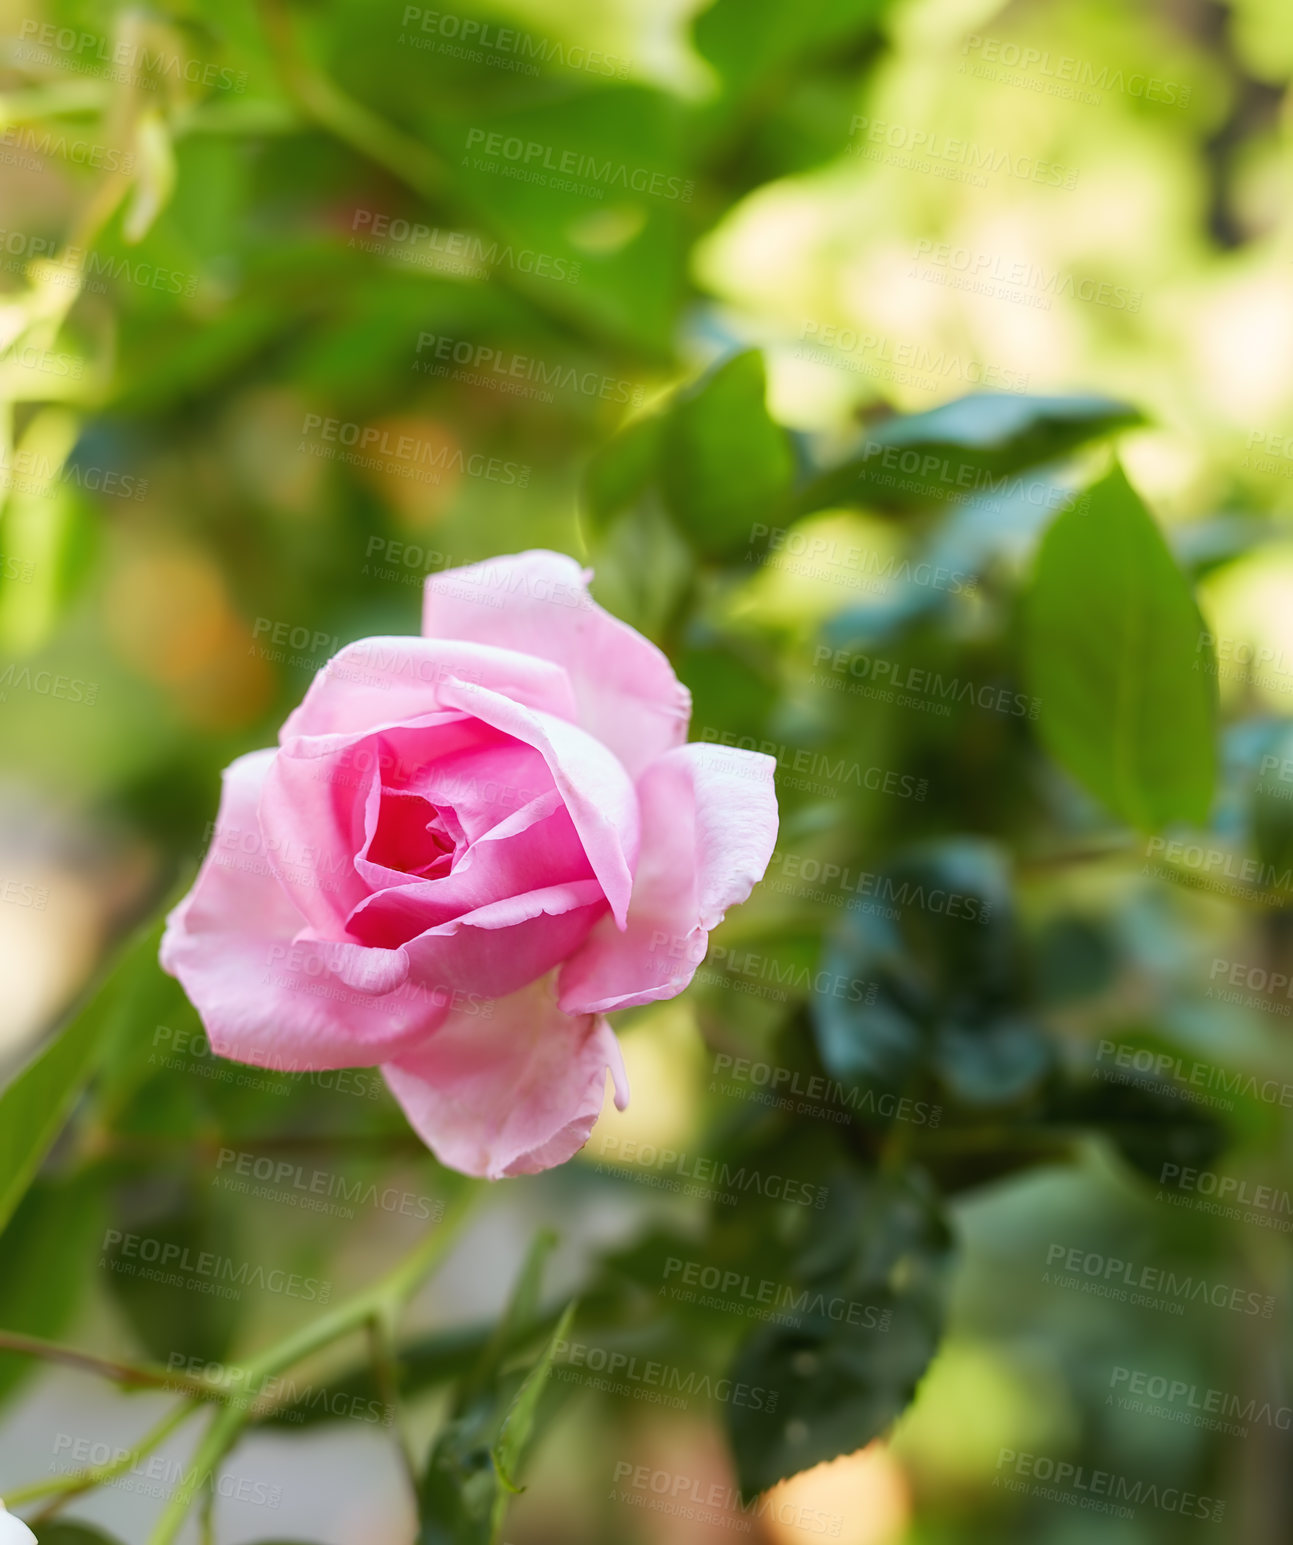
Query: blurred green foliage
x,y
810,327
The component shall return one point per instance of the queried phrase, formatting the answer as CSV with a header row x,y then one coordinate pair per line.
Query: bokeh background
x,y
286,325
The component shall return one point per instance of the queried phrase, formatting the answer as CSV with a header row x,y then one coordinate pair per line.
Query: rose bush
x,y
465,850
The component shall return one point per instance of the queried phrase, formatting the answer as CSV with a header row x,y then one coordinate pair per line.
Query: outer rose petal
x,y
379,681
511,1094
264,998
538,602
709,824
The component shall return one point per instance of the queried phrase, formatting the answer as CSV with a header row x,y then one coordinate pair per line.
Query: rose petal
x,y
537,602
379,681
266,992
512,1093
709,824
534,848
506,945
593,784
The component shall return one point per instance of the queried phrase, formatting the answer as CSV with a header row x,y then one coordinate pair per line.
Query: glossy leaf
x,y
1115,652
974,445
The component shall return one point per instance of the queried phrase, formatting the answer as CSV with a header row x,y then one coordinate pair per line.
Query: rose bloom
x,y
465,850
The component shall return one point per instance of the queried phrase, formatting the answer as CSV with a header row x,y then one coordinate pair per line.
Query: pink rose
x,y
466,849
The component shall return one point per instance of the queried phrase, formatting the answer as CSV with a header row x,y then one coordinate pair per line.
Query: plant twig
x,y
78,1481
382,1298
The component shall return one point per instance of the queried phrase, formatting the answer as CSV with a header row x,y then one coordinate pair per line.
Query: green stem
x,y
96,1475
343,117
132,1375
383,1298
386,1377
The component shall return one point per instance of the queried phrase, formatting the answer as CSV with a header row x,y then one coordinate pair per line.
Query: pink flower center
x,y
411,836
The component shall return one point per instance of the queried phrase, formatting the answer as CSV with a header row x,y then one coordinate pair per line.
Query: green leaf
x,y
725,462
463,1494
1112,641
57,1228
944,967
974,445
518,1425
882,1252
35,1104
748,40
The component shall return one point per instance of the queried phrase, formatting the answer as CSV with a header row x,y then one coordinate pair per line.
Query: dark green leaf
x,y
993,1063
1113,643
974,445
872,1287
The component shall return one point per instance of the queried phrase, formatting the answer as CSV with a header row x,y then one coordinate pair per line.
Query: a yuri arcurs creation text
x,y
464,852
